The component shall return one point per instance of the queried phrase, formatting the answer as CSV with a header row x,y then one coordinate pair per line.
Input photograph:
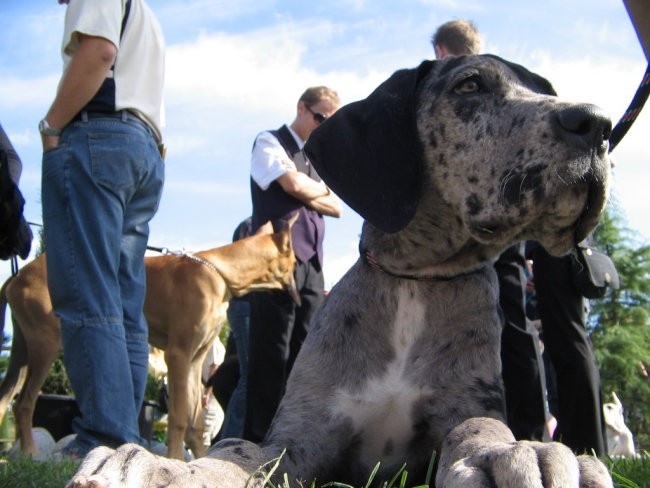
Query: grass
x,y
630,473
24,473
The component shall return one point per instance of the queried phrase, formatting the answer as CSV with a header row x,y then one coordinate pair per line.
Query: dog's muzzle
x,y
587,128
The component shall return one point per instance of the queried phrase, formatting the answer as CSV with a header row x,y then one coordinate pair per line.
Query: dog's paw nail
x,y
96,482
78,482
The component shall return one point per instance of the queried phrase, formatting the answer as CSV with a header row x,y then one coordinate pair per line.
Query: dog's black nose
x,y
584,125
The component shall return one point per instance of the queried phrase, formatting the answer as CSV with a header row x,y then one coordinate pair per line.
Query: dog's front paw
x,y
232,463
129,465
482,452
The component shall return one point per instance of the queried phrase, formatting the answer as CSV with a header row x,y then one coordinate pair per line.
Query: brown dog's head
x,y
469,153
272,257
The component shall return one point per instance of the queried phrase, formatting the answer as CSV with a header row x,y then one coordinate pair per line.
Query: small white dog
x,y
620,441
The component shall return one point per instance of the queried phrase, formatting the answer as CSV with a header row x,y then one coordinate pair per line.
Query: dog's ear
x,y
369,153
529,79
265,229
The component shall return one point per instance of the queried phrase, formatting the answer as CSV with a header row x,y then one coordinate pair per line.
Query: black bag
x,y
593,272
15,233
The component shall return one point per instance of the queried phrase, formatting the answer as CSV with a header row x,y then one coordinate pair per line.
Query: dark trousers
x,y
580,423
523,370
278,328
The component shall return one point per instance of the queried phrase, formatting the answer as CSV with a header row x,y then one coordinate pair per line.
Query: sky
x,y
235,68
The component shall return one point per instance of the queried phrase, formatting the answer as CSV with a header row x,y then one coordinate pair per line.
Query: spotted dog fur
x,y
448,163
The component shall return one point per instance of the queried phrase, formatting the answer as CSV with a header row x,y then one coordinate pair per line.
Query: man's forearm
x,y
329,205
302,187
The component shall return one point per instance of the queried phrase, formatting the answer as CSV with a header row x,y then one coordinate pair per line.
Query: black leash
x,y
632,111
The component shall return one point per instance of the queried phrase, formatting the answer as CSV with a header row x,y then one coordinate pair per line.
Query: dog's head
x,y
271,255
613,413
473,150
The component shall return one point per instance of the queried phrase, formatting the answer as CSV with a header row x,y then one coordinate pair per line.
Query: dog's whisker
x,y
521,186
557,173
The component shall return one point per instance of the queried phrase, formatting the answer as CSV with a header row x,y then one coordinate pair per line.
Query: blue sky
x,y
236,68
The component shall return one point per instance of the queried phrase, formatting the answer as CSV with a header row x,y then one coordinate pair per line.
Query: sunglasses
x,y
318,117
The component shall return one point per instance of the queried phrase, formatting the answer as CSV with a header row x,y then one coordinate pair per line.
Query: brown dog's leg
x,y
182,394
44,346
195,417
16,371
36,338
15,375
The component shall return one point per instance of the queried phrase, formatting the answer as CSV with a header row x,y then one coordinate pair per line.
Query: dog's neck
x,y
247,265
370,260
401,253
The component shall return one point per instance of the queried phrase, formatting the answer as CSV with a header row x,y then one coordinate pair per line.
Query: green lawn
x,y
627,473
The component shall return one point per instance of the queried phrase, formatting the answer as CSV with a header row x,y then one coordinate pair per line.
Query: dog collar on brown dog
x,y
204,262
372,262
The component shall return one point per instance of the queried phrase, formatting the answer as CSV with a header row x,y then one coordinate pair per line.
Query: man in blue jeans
x,y
101,184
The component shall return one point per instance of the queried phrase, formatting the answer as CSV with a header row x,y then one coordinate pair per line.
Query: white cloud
x,y
257,71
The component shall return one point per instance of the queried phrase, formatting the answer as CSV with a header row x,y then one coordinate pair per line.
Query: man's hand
x,y
329,205
49,142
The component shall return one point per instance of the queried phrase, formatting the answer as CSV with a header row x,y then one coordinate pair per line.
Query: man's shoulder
x,y
95,18
270,134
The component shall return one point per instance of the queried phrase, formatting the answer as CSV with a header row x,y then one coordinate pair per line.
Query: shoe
x,y
70,452
62,456
157,448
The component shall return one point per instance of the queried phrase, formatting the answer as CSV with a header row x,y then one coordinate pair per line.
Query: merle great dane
x,y
448,164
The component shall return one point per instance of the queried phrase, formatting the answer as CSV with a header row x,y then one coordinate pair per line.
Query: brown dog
x,y
186,302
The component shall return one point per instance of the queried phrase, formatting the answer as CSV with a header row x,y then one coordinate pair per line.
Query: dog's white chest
x,y
381,411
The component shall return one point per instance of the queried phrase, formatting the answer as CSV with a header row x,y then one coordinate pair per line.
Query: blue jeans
x,y
101,186
239,319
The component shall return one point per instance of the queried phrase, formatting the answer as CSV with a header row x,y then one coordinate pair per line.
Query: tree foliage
x,y
620,324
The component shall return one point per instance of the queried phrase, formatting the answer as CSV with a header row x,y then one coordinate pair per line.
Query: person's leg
x,y
579,411
311,283
272,316
239,319
520,356
87,180
148,177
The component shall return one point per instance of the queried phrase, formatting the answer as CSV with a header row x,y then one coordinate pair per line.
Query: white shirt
x,y
269,160
216,355
140,63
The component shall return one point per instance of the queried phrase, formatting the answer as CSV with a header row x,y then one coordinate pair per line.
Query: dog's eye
x,y
468,85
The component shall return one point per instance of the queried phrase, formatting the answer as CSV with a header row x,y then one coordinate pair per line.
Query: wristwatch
x,y
45,129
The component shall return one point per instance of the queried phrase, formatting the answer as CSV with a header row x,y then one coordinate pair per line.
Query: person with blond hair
x,y
284,183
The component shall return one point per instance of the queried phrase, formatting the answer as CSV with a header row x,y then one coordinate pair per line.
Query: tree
x,y
620,324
